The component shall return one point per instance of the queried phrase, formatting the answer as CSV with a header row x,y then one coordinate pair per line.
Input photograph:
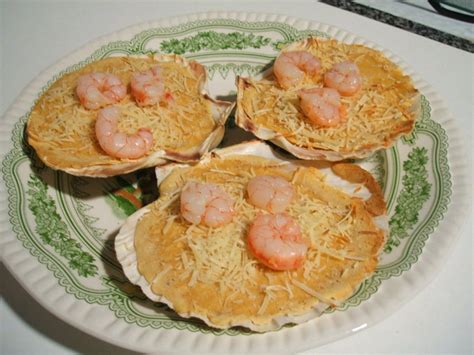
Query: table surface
x,y
35,35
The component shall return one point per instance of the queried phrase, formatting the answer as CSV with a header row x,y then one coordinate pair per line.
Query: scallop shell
x,y
245,119
50,152
125,245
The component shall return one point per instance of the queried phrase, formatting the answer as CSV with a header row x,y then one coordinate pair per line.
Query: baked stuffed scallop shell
x,y
221,275
151,109
373,111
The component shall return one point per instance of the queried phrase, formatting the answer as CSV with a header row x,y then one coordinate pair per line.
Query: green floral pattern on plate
x,y
415,192
212,40
54,231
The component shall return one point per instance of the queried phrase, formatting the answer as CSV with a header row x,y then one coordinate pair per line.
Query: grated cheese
x,y
162,273
314,293
168,224
264,305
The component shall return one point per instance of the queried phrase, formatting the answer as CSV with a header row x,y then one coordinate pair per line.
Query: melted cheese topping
x,y
60,123
214,274
380,111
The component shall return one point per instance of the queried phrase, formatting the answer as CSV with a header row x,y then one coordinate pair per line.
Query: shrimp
x,y
206,203
276,241
344,77
322,106
119,144
290,67
148,87
96,90
272,193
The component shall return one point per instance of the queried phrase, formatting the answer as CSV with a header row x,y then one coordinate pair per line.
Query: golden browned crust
x,y
62,132
194,268
354,173
385,108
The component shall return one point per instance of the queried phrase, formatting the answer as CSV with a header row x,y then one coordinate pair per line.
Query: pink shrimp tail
x,y
291,67
276,241
96,90
119,144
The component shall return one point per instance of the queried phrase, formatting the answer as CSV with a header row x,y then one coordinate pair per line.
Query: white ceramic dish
x,y
59,240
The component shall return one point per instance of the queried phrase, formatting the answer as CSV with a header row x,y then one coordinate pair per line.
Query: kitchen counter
x,y
416,16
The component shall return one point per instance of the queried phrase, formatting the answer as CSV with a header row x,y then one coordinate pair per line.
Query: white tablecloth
x,y
35,35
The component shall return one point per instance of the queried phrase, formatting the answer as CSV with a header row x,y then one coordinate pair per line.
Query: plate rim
x,y
459,173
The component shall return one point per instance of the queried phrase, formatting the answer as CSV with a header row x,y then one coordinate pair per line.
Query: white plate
x,y
60,241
